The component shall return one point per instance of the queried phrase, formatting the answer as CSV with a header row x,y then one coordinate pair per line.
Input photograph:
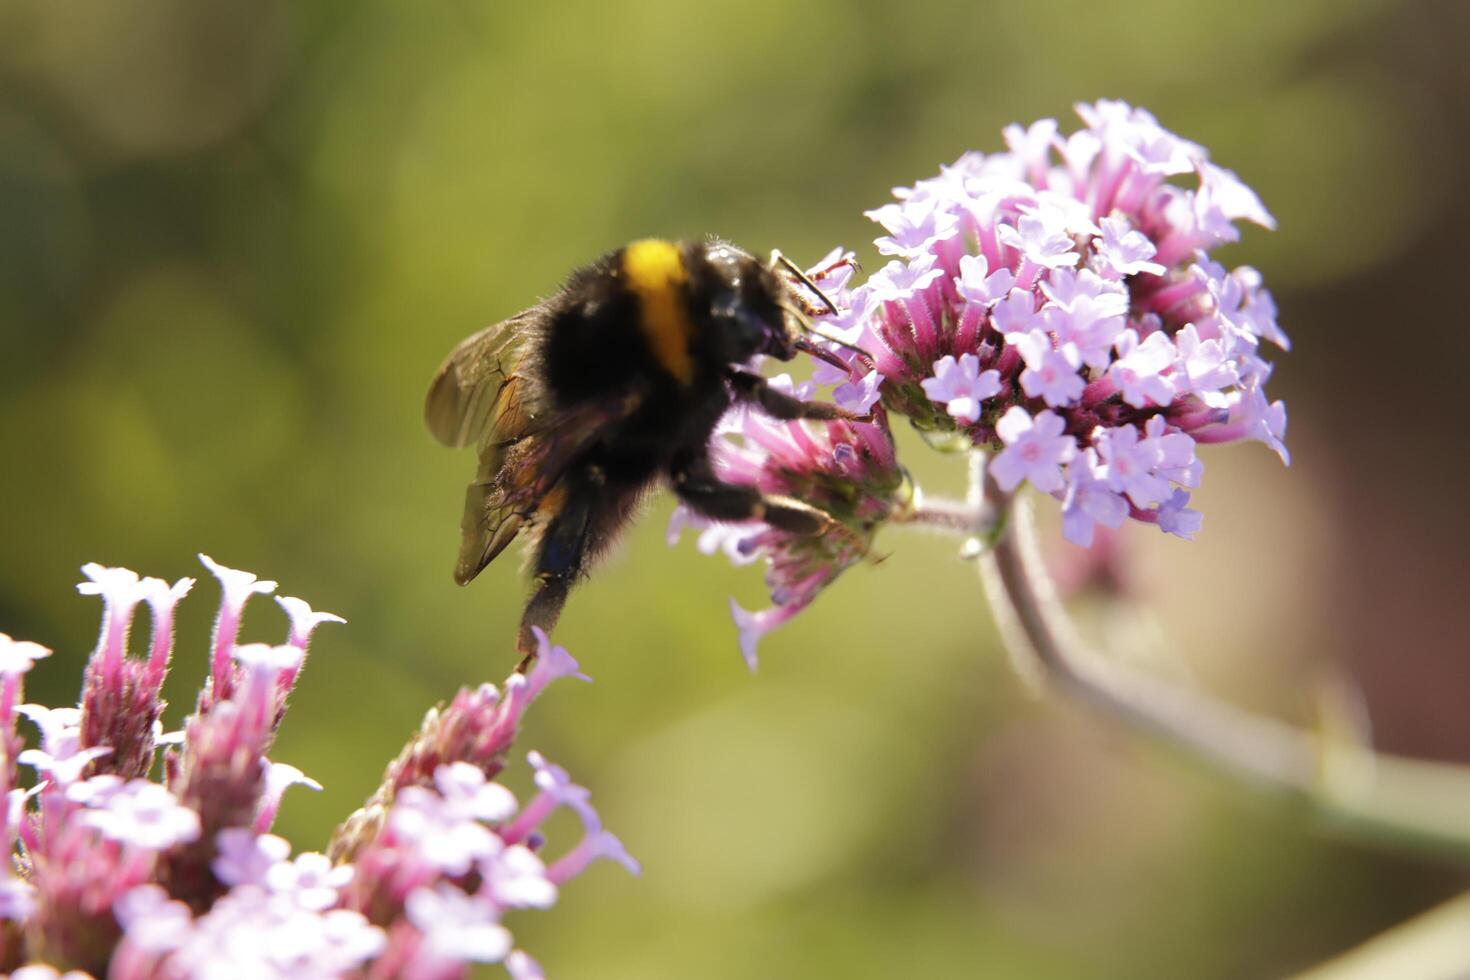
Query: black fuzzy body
x,y
585,402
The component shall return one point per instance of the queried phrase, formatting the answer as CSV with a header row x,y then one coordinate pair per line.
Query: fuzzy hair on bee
x,y
582,404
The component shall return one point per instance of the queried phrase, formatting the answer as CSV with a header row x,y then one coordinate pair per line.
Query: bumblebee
x,y
582,404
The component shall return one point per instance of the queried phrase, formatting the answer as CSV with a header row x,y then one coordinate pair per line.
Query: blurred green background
x,y
237,238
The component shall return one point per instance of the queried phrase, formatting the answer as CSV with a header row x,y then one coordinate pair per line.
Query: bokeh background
x,y
237,238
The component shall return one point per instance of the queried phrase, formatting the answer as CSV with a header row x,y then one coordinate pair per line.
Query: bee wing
x,y
520,475
483,396
494,508
479,397
476,395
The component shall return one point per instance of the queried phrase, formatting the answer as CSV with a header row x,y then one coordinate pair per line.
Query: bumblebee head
x,y
743,302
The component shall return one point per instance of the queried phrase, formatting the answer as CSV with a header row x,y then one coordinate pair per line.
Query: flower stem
x,y
1353,790
973,517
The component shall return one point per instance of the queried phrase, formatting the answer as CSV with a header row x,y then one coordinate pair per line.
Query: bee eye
x,y
724,305
744,331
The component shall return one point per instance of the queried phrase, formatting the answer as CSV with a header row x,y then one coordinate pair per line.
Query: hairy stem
x,y
973,517
1352,789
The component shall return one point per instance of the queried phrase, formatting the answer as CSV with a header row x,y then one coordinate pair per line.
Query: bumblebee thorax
x,y
655,272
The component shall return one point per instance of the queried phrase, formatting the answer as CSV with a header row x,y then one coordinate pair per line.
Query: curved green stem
x,y
1377,797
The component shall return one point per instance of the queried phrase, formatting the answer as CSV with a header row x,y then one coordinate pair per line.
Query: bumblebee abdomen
x,y
593,346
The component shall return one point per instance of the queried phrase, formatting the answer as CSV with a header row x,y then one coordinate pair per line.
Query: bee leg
x,y
560,558
777,404
696,485
543,610
779,261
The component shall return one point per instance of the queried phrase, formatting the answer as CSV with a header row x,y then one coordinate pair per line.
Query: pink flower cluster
x,y
112,873
1058,305
847,470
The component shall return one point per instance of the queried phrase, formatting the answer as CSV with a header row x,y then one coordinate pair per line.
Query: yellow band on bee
x,y
654,270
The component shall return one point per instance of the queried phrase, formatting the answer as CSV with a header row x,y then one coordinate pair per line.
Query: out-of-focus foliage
x,y
236,239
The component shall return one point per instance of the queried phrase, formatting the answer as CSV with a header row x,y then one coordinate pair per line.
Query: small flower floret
x,y
144,815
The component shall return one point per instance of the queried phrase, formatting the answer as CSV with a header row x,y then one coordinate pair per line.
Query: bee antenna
x,y
778,259
826,355
819,330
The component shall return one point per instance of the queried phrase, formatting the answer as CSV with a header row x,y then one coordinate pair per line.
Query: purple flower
x,y
1082,277
143,815
250,932
477,727
1089,502
520,966
1051,372
121,701
311,879
458,928
552,662
304,620
897,282
1175,451
61,728
17,899
960,386
727,539
977,285
94,792
1070,290
19,656
1032,147
1016,314
121,591
162,598
1041,238
846,470
1206,365
1223,193
1128,466
1249,416
151,921
442,835
244,857
1177,518
1035,450
279,777
138,880
751,627
859,396
1089,322
65,770
1125,251
913,227
1138,373
439,842
516,878
466,791
236,589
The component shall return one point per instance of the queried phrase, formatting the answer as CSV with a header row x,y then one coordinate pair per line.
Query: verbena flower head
x,y
114,873
845,469
1057,304
452,858
120,695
